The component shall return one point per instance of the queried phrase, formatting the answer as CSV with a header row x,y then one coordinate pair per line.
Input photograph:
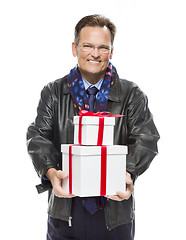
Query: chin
x,y
92,76
95,70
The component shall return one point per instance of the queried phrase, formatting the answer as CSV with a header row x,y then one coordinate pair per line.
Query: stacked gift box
x,y
95,166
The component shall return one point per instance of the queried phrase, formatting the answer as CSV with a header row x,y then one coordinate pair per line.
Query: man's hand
x,y
56,177
124,195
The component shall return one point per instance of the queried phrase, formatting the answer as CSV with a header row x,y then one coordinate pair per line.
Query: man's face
x,y
93,64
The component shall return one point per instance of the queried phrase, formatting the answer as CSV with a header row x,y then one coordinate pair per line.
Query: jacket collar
x,y
66,87
113,93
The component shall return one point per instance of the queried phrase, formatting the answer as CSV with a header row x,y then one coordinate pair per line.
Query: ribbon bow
x,y
101,116
98,114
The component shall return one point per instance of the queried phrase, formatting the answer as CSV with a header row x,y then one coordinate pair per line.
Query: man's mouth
x,y
94,61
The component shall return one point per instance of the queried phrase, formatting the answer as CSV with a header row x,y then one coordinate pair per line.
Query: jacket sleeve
x,y
40,135
142,134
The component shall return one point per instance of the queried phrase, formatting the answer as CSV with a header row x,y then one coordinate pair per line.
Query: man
x,y
71,217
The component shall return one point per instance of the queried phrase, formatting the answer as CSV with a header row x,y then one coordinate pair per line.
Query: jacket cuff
x,y
44,186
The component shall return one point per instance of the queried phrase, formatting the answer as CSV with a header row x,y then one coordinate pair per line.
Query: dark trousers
x,y
87,227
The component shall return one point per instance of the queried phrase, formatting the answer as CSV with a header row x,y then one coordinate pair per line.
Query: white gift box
x,y
86,169
90,128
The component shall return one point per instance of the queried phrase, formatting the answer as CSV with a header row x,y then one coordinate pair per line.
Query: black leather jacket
x,y
54,126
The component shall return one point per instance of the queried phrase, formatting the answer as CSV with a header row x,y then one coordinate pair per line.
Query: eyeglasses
x,y
90,48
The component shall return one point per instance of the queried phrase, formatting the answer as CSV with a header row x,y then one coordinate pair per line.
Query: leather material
x,y
54,126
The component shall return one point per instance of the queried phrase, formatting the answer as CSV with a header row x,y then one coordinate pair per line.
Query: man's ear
x,y
74,49
111,54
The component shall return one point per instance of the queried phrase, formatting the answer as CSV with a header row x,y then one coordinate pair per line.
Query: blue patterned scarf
x,y
79,95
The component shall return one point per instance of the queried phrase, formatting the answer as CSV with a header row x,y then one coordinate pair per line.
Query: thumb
x,y
62,174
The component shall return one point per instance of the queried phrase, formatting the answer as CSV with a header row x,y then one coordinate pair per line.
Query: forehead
x,y
95,35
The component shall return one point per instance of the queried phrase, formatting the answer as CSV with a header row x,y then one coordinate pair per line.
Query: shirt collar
x,y
97,85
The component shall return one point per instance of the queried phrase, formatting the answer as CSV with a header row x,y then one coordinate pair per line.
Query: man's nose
x,y
95,53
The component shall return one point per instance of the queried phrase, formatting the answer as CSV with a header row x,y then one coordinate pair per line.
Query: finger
x,y
65,195
125,195
59,192
114,197
68,195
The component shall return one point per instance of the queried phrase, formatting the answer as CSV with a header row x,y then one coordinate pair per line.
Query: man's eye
x,y
87,46
104,48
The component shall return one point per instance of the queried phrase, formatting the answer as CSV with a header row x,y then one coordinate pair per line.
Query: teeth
x,y
93,61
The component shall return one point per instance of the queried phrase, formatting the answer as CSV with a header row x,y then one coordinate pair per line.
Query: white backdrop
x,y
150,49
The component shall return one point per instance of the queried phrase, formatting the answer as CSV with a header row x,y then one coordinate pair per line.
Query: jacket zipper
x,y
70,217
106,222
70,221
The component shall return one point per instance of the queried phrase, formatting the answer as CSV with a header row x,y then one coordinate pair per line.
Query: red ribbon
x,y
80,130
103,170
70,169
101,116
100,131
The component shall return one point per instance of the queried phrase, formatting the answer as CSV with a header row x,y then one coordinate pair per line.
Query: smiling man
x,y
92,85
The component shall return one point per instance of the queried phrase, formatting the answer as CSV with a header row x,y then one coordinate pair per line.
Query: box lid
x,y
94,120
94,150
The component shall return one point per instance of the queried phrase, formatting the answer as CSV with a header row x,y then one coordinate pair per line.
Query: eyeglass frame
x,y
106,48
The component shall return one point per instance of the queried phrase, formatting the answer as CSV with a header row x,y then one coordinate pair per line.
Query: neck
x,y
92,78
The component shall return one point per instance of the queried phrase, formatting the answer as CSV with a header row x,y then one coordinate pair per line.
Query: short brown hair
x,y
94,21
